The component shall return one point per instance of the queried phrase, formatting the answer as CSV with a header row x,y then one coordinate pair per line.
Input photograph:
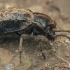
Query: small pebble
x,y
16,51
51,44
47,65
67,41
67,55
63,65
9,67
69,65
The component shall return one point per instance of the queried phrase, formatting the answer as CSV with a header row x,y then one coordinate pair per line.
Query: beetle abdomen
x,y
12,20
11,26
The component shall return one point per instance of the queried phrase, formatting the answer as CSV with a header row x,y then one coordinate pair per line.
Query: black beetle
x,y
21,21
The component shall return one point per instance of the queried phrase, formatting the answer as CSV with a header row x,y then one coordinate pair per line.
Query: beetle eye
x,y
50,34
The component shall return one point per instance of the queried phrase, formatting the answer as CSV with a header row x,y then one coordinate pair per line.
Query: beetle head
x,y
50,30
50,35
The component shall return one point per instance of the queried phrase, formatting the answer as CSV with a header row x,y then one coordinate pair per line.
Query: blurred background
x,y
48,7
58,10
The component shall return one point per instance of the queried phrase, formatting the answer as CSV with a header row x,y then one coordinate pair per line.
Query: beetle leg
x,y
21,43
20,48
41,49
38,31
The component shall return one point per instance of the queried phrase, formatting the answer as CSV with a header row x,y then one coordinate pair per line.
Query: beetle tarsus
x,y
44,57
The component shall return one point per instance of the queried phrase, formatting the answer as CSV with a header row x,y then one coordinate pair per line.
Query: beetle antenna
x,y
62,30
62,35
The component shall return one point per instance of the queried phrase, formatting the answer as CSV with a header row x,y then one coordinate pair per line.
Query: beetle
x,y
24,21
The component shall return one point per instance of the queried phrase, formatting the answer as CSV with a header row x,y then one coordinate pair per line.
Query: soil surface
x,y
57,53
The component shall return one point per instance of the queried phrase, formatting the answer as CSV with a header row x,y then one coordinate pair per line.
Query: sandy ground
x,y
59,11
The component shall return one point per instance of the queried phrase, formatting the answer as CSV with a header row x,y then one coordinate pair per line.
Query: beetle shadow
x,y
30,46
12,44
